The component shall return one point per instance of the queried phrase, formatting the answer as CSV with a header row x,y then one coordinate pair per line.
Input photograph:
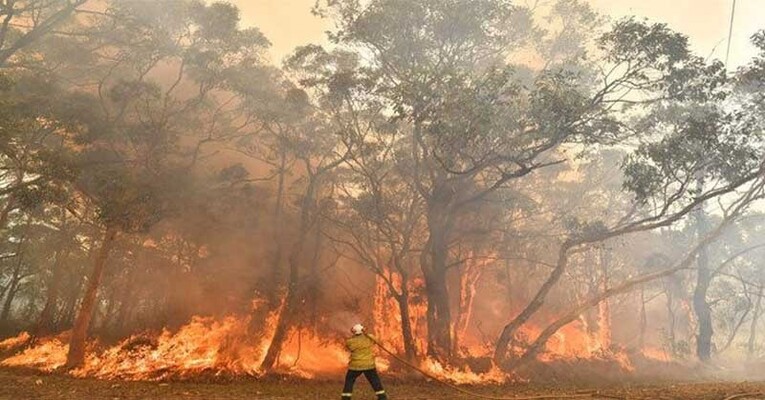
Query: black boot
x,y
382,396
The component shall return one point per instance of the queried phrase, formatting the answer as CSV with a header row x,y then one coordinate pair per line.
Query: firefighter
x,y
362,362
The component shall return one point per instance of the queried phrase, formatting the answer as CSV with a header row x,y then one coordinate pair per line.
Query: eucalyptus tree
x,y
129,99
25,22
378,220
474,122
304,119
477,119
685,129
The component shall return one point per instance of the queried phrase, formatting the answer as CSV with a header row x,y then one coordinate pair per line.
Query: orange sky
x,y
289,23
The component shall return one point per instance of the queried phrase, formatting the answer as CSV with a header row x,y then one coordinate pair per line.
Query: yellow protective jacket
x,y
362,353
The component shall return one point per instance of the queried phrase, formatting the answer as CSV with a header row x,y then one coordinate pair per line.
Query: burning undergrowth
x,y
236,346
204,346
210,347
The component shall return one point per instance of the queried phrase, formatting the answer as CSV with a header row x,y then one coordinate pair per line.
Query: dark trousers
x,y
372,377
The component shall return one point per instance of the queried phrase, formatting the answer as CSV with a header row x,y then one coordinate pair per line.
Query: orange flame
x,y
226,346
49,354
204,345
464,376
15,341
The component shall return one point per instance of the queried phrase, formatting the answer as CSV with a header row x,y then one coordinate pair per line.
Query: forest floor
x,y
21,384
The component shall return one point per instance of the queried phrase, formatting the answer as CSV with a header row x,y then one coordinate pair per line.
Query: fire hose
x,y
484,396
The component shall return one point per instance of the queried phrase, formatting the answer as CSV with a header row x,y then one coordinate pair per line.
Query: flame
x,y
204,345
469,279
387,315
656,354
201,345
307,355
387,322
573,342
227,346
464,376
15,341
49,354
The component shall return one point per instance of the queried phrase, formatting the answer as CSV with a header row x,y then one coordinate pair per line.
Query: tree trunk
x,y
12,290
540,342
671,320
643,321
314,283
751,345
604,308
625,287
736,329
410,349
438,316
468,280
40,29
274,291
126,310
291,300
111,306
13,285
45,320
76,356
434,267
6,211
10,202
69,309
508,332
284,321
276,261
700,305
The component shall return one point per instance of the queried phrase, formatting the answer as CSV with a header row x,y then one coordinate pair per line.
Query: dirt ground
x,y
18,384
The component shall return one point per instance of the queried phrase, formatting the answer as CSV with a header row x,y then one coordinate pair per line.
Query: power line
x,y
730,31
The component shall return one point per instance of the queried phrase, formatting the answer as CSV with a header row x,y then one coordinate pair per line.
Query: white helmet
x,y
357,329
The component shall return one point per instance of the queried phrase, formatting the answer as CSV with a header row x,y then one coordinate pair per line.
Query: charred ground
x,y
24,384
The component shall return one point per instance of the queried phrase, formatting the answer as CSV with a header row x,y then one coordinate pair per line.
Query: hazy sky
x,y
289,23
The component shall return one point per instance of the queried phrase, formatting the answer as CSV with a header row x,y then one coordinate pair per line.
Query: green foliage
x,y
704,143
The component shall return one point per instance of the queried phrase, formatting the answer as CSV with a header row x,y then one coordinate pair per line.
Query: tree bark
x,y
314,283
10,296
540,342
700,305
410,349
276,261
6,211
604,308
752,342
736,329
69,309
291,299
625,287
284,321
41,29
13,284
10,202
434,267
45,320
468,280
76,356
643,320
508,332
671,320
